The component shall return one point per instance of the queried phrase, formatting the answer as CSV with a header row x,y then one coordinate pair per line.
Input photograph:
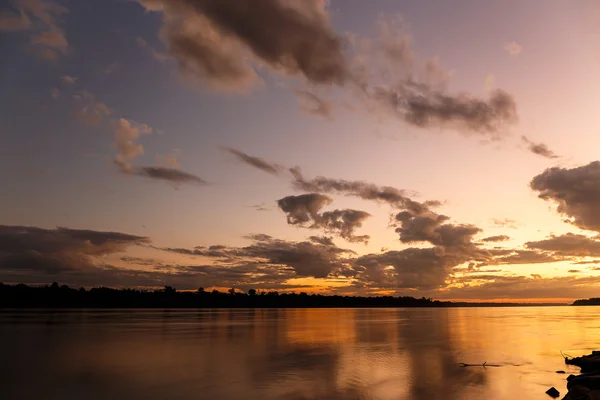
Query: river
x,y
295,354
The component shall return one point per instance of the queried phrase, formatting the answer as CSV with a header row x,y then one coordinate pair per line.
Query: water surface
x,y
297,354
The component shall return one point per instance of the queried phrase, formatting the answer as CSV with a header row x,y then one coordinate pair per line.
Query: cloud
x,y
222,42
540,149
522,287
367,191
306,208
25,250
412,268
155,54
569,244
91,111
497,238
168,174
40,17
424,107
314,105
13,21
490,83
293,259
324,240
513,48
55,93
505,223
517,256
255,162
576,191
69,80
126,133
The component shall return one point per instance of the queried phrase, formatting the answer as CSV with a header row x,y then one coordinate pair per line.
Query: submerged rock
x,y
552,392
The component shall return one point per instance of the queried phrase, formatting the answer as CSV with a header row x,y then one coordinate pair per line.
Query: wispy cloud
x,y
540,149
513,48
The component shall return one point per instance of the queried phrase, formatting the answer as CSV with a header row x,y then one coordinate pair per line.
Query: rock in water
x,y
552,392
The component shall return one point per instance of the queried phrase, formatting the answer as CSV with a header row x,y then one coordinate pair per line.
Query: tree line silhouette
x,y
57,296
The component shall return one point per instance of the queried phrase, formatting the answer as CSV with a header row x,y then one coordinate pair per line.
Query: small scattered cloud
x,y
497,238
111,69
505,223
13,20
69,80
55,93
540,149
490,83
312,104
41,18
513,48
162,57
256,162
90,110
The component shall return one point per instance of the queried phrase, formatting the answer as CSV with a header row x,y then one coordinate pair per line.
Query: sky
x,y
438,149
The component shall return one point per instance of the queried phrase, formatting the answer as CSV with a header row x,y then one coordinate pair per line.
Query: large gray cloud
x,y
213,39
256,162
576,191
569,244
223,43
414,268
306,208
52,251
541,149
306,258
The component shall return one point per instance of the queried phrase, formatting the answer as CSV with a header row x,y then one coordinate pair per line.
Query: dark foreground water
x,y
291,354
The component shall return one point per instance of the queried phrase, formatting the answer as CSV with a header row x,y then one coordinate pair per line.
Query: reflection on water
x,y
296,354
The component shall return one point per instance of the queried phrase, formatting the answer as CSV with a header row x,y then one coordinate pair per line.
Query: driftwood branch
x,y
484,365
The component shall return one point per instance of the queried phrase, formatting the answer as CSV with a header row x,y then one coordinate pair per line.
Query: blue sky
x,y
74,72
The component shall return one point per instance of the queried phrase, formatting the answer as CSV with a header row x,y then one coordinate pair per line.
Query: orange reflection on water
x,y
336,354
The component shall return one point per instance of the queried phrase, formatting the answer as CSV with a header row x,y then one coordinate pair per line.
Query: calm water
x,y
291,354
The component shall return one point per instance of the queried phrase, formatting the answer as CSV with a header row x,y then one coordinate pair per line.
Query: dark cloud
x,y
171,175
574,271
305,208
256,162
576,191
384,194
213,39
569,244
522,287
410,268
318,259
425,107
518,256
540,149
497,238
25,250
324,240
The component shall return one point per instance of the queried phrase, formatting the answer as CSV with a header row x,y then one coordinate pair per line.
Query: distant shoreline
x,y
55,296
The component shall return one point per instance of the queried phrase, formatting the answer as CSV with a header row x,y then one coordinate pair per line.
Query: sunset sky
x,y
438,149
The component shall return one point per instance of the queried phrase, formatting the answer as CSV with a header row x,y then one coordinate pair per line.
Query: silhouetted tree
x,y
252,292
